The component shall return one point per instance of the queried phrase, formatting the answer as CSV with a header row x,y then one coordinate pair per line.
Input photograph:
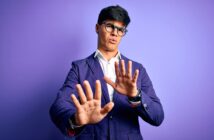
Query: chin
x,y
111,47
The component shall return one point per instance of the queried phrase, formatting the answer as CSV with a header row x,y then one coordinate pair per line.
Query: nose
x,y
114,32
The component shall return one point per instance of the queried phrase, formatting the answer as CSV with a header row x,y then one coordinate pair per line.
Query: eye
x,y
121,29
109,25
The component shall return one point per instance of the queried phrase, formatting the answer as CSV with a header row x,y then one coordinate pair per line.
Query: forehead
x,y
116,23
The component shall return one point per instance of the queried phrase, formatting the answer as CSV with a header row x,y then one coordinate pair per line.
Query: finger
x,y
123,70
89,93
129,74
109,81
76,102
81,94
117,71
98,91
107,108
135,76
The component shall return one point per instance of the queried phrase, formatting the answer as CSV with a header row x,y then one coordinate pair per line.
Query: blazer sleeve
x,y
63,108
150,109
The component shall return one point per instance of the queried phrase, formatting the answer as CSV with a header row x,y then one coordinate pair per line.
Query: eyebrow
x,y
116,25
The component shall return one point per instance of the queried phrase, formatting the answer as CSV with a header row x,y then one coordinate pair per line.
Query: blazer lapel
x,y
115,95
97,71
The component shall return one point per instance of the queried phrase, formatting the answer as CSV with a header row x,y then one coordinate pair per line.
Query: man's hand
x,y
125,83
89,109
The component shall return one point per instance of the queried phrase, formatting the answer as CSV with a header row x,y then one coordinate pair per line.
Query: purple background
x,y
173,39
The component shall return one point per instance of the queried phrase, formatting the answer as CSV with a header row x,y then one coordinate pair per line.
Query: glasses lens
x,y
109,27
121,32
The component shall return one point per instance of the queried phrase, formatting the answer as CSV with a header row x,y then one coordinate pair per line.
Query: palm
x,y
125,82
125,86
90,111
90,114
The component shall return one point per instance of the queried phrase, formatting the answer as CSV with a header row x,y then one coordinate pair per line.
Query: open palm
x,y
89,109
125,83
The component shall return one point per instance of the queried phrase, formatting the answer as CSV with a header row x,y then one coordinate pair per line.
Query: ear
x,y
97,28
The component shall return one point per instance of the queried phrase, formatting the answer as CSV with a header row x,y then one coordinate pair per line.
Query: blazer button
x,y
110,117
145,106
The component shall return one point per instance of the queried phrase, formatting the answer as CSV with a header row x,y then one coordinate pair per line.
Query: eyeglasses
x,y
121,31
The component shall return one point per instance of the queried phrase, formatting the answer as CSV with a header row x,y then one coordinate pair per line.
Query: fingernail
x,y
72,95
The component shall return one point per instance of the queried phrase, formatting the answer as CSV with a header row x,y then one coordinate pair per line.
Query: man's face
x,y
108,40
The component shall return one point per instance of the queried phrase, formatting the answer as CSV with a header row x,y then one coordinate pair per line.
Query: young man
x,y
104,94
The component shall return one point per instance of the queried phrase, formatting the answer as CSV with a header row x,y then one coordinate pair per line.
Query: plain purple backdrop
x,y
174,40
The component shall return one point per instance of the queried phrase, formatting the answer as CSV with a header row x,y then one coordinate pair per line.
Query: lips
x,y
113,41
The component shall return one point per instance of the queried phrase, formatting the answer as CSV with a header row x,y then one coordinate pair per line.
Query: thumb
x,y
107,108
109,81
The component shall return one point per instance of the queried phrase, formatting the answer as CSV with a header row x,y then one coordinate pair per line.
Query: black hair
x,y
114,13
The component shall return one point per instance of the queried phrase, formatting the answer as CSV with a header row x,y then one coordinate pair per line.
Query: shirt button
x,y
145,105
110,117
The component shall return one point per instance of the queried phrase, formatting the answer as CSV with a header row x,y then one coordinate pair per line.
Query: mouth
x,y
113,41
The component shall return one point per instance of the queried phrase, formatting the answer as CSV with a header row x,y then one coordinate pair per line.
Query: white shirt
x,y
108,69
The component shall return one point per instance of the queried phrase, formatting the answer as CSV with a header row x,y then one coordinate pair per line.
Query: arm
x,y
68,109
63,108
149,108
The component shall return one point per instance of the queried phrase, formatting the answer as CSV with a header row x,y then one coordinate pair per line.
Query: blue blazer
x,y
122,122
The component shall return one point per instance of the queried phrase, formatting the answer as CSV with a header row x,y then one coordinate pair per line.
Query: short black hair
x,y
114,13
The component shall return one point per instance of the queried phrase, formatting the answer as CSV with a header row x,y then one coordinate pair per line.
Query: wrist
x,y
74,122
133,94
136,98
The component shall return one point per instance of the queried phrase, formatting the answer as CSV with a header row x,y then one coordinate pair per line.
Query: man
x,y
104,94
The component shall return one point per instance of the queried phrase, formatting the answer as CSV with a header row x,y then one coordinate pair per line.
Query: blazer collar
x,y
96,69
94,65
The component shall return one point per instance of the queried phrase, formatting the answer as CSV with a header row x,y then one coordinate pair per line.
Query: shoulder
x,y
135,64
82,62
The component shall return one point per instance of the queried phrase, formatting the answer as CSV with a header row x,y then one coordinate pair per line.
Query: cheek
x,y
104,37
119,40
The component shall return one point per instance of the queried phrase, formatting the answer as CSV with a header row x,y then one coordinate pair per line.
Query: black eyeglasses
x,y
121,31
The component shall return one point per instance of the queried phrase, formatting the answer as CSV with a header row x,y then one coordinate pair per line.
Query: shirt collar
x,y
99,54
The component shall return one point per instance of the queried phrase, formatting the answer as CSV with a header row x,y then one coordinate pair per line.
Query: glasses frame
x,y
113,27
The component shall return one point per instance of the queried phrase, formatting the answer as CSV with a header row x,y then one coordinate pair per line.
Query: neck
x,y
108,54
